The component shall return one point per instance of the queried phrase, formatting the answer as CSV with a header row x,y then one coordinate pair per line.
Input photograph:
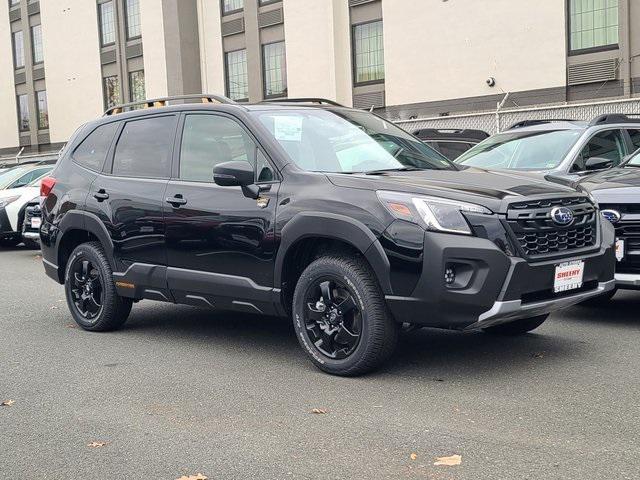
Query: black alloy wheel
x,y
87,288
333,320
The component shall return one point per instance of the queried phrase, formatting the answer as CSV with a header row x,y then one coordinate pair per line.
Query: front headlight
x,y
6,201
433,213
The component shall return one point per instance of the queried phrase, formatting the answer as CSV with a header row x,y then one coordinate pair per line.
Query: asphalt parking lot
x,y
181,391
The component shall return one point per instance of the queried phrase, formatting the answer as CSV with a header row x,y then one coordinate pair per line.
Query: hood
x,y
617,185
491,189
19,192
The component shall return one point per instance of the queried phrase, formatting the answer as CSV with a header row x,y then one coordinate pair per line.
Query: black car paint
x,y
219,249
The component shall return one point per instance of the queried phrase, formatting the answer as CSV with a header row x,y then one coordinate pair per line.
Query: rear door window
x,y
144,148
608,144
635,138
92,152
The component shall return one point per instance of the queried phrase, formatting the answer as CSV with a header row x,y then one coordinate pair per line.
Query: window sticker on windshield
x,y
288,129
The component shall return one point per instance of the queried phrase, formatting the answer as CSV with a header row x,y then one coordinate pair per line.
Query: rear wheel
x,y
90,290
517,327
340,316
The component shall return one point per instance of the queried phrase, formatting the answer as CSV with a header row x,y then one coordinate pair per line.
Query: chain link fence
x,y
502,118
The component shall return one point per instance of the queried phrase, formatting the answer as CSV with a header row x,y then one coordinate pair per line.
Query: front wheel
x,y
340,316
90,290
517,327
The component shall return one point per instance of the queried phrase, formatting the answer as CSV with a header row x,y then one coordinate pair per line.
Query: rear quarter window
x,y
144,148
92,152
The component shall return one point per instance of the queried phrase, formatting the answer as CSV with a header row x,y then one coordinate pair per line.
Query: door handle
x,y
176,201
101,195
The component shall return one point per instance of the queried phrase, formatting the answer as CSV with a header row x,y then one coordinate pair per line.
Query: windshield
x,y
634,161
522,150
344,141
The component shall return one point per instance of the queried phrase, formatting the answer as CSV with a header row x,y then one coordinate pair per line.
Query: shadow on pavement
x,y
423,352
622,310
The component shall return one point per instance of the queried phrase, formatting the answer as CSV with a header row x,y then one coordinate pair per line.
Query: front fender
x,y
336,227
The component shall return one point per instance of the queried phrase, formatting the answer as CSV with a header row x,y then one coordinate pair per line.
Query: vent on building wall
x,y
272,17
14,15
38,73
591,72
33,8
20,78
134,50
107,57
354,3
232,27
368,100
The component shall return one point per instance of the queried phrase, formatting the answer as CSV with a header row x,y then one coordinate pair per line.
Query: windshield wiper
x,y
398,169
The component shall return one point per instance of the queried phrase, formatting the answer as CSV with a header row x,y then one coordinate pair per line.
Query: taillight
x,y
46,186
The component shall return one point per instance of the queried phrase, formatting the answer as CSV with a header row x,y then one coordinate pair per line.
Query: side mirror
x,y
237,174
597,163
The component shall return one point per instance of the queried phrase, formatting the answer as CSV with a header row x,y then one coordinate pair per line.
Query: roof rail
x,y
303,100
163,101
608,118
529,123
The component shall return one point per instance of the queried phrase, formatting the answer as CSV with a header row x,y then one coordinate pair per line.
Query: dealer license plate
x,y
619,249
36,222
568,276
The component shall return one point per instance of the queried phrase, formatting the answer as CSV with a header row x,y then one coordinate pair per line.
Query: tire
x,y
517,327
601,300
343,278
104,308
9,242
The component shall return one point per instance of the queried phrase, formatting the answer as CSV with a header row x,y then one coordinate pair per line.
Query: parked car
x,y
31,223
558,148
23,175
13,202
451,142
330,215
618,193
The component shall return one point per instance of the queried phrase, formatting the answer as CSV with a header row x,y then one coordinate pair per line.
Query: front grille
x,y
539,237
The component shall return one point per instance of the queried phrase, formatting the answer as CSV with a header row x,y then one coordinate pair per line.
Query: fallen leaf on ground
x,y
8,403
319,411
448,461
96,444
71,325
198,476
538,355
413,456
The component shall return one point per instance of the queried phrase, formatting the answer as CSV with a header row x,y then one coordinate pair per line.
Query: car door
x,y
128,197
220,243
605,144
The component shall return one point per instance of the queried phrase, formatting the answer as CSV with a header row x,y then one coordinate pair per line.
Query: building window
x,y
232,6
111,91
274,63
43,110
18,49
36,39
136,86
237,79
23,113
107,23
368,53
133,19
13,3
593,23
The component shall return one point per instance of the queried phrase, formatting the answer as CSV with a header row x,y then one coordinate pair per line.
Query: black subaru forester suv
x,y
308,209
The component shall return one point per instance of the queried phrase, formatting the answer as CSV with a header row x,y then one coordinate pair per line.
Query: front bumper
x,y
500,288
628,281
6,230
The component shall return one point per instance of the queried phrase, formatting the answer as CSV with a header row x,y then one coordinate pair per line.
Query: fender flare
x,y
336,227
89,222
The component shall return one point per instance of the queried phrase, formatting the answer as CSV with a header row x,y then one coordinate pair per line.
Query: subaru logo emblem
x,y
612,215
562,216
